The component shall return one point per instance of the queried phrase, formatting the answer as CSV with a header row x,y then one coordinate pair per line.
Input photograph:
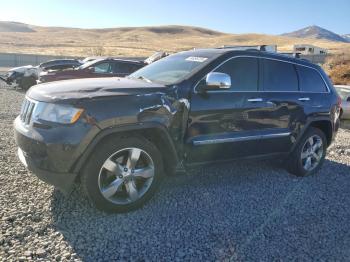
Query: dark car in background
x,y
106,67
118,136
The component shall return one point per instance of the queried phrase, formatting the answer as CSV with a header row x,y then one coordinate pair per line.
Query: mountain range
x,y
317,32
142,41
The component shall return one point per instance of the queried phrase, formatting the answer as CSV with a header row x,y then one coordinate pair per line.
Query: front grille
x,y
27,111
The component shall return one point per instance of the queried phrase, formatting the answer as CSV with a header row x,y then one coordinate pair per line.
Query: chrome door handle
x,y
255,100
304,99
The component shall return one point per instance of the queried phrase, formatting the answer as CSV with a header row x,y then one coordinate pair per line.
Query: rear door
x,y
314,92
279,81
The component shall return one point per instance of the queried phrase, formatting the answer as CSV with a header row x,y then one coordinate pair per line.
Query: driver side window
x,y
102,68
243,72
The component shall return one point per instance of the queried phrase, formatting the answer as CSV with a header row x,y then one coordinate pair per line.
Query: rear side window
x,y
125,68
278,76
310,80
243,72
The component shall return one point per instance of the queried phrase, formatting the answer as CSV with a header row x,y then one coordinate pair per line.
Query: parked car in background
x,y
118,136
96,68
60,64
344,93
27,76
23,76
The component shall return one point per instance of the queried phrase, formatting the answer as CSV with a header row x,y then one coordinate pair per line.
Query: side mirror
x,y
216,80
90,69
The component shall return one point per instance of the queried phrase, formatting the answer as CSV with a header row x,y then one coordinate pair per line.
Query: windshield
x,y
171,69
88,64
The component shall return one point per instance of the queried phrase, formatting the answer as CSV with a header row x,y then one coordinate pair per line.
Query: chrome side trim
x,y
259,57
238,139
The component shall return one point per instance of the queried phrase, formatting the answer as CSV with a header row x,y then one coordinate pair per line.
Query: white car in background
x,y
344,93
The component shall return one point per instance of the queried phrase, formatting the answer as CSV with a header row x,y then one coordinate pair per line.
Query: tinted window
x,y
125,68
279,76
243,72
310,80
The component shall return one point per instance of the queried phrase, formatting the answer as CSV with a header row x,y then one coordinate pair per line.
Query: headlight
x,y
63,114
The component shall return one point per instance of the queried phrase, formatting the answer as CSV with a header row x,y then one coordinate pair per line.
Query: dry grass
x,y
338,68
139,41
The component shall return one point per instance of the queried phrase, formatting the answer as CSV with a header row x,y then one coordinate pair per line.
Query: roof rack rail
x,y
266,48
295,55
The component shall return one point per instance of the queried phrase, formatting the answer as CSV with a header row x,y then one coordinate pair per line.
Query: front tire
x,y
308,156
27,82
122,174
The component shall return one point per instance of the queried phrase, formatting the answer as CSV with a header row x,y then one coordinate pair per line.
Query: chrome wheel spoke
x,y
132,190
316,146
134,156
112,166
316,156
308,163
147,172
112,188
304,155
311,140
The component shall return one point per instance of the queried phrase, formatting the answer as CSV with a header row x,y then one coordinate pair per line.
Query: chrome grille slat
x,y
29,113
25,108
26,111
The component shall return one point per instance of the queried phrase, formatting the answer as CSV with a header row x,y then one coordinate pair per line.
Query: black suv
x,y
118,136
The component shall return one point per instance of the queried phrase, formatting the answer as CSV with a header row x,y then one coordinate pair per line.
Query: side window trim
x,y
260,89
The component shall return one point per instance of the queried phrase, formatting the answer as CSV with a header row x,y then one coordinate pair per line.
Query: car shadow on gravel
x,y
238,211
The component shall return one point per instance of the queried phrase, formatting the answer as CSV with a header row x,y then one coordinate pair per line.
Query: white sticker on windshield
x,y
196,59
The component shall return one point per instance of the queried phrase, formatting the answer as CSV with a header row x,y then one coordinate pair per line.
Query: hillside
x,y
347,37
137,41
14,27
317,32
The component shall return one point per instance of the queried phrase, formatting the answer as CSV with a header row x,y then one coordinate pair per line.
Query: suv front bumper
x,y
63,181
51,154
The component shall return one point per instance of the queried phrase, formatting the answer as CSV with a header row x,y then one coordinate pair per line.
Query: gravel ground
x,y
244,211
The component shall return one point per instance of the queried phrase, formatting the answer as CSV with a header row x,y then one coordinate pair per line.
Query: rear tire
x,y
122,174
308,156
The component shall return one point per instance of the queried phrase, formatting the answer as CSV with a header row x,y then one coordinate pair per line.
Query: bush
x,y
338,69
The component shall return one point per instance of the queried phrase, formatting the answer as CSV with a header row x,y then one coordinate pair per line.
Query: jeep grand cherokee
x,y
119,136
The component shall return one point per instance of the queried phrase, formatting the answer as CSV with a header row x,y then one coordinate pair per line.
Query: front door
x,y
227,124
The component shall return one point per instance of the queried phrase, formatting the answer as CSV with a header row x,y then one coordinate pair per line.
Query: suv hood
x,y
91,88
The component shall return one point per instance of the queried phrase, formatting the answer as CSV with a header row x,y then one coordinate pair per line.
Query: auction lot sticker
x,y
196,59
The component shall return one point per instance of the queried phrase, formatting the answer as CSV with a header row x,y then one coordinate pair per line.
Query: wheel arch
x,y
154,132
326,127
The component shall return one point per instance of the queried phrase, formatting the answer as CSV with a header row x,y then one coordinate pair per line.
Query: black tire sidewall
x,y
27,82
99,156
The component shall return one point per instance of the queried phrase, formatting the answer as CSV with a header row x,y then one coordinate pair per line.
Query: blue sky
x,y
235,16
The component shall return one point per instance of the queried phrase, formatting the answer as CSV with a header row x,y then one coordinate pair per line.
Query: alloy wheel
x,y
126,176
312,152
